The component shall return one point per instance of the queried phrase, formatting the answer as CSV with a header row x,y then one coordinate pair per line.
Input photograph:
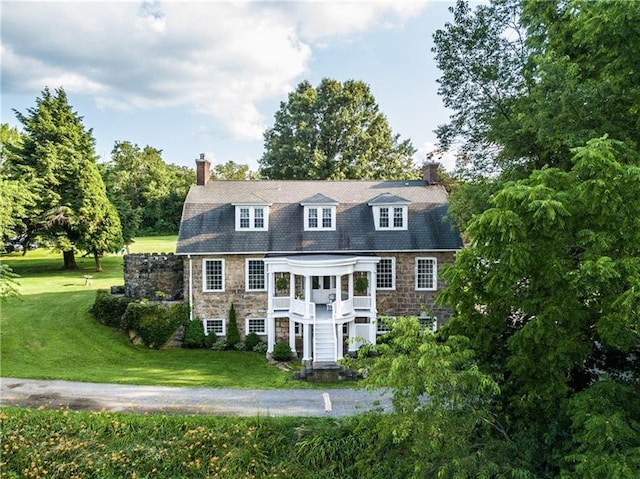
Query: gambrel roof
x,y
208,219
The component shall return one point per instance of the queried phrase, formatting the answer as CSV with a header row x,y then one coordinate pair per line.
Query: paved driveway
x,y
159,399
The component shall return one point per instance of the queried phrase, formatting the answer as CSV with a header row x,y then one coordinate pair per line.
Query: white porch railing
x,y
346,306
362,302
298,307
367,332
281,302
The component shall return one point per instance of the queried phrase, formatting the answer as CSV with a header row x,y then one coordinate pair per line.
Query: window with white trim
x,y
319,218
256,325
214,325
212,275
426,274
251,218
428,322
255,277
390,217
384,323
386,274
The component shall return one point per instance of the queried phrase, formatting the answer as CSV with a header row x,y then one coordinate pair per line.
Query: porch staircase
x,y
324,344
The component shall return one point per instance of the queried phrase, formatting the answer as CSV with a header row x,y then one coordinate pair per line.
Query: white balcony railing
x,y
362,302
281,302
298,307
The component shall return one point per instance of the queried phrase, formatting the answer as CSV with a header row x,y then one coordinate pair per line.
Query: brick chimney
x,y
203,170
430,173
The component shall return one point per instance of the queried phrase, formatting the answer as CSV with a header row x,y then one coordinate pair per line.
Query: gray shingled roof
x,y
208,218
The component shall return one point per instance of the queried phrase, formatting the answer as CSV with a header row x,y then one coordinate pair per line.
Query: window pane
x,y
425,274
258,221
313,217
326,217
215,326
255,274
244,217
256,325
213,275
398,218
384,217
385,274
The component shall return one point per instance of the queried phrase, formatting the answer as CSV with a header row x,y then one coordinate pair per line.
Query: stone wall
x,y
405,300
146,274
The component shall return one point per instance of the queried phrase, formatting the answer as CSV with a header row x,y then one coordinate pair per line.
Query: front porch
x,y
322,305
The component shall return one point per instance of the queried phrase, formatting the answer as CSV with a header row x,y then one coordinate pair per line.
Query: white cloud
x,y
218,58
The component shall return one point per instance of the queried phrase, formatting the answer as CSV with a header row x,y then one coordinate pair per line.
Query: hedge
x,y
155,323
109,309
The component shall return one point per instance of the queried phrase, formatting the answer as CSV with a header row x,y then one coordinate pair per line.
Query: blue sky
x,y
208,77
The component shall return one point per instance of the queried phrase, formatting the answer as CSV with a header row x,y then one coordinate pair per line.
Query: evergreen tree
x,y
58,160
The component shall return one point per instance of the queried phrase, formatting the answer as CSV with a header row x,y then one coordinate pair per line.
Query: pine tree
x,y
58,160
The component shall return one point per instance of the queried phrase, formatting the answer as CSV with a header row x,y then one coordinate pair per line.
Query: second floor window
x,y
386,274
213,275
255,277
320,218
251,218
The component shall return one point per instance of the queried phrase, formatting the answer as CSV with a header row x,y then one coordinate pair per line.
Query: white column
x,y
190,288
271,290
306,342
338,307
292,286
271,333
351,285
340,348
372,291
307,295
292,335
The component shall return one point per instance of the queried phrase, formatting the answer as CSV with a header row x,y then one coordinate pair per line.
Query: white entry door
x,y
323,288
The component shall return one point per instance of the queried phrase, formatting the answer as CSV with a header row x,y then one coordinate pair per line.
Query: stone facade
x,y
146,274
216,305
403,301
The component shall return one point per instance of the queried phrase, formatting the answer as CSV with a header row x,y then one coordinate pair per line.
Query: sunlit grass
x,y
49,333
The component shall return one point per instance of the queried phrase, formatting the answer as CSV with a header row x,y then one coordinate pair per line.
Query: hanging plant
x,y
362,283
281,283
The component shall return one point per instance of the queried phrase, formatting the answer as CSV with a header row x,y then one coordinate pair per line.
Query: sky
x,y
208,76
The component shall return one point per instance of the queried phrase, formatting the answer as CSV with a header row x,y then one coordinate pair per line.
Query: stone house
x,y
315,263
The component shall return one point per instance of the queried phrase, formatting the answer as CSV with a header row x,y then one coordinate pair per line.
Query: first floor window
x,y
215,326
255,276
384,324
386,274
426,274
213,275
256,325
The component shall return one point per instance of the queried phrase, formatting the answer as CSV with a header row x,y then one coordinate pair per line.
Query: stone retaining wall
x,y
147,273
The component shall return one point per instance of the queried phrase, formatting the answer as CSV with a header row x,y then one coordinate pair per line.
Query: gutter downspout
x,y
190,288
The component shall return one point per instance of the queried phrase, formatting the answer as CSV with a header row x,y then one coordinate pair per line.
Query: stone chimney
x,y
203,170
430,173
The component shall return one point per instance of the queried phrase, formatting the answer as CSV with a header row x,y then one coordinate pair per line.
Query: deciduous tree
x,y
334,131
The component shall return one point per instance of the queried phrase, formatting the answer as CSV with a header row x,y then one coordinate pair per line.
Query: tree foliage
x,y
334,131
528,81
57,160
147,193
548,292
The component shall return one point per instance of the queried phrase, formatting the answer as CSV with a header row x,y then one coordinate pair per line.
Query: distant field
x,y
49,333
154,244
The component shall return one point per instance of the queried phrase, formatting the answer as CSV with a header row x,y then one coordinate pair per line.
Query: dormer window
x,y
390,212
252,217
319,213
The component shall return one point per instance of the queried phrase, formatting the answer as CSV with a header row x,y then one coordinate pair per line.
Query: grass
x,y
49,333
39,443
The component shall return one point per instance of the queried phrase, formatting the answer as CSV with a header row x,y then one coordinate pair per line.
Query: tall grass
x,y
49,333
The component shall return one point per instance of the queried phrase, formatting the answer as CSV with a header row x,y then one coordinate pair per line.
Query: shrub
x,y
260,347
109,309
194,336
251,340
219,345
240,346
281,351
155,323
233,335
210,339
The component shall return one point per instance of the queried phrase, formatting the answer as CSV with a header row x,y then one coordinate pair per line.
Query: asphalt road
x,y
168,400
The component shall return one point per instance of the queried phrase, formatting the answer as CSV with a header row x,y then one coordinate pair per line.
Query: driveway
x,y
159,399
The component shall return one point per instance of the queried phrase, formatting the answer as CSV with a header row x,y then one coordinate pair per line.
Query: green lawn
x,y
49,333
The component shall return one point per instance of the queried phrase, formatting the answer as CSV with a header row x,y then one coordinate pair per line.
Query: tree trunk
x,y
96,257
69,260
